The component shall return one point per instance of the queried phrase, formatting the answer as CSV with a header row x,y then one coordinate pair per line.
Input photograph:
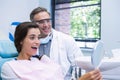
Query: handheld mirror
x,y
98,54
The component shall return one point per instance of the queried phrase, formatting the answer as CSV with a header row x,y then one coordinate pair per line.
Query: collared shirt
x,y
45,49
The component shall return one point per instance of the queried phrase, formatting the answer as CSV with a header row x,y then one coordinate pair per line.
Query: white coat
x,y
64,50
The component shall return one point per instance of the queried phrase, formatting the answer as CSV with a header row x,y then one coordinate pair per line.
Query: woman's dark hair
x,y
36,11
21,32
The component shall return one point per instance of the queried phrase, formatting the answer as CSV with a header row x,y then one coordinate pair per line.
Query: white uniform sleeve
x,y
73,50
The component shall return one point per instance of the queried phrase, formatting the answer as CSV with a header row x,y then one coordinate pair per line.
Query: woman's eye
x,y
32,38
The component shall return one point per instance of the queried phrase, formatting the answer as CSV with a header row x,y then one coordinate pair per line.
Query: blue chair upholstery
x,y
7,49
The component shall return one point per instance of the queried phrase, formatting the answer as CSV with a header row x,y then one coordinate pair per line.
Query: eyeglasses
x,y
43,21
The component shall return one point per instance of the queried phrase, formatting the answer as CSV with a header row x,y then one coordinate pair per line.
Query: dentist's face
x,y
44,21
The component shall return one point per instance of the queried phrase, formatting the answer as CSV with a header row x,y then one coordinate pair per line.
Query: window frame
x,y
54,3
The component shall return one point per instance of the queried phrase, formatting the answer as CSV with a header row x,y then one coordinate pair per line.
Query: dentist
x,y
58,46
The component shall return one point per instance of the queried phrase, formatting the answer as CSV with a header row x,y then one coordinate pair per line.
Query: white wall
x,y
12,11
17,11
110,24
46,4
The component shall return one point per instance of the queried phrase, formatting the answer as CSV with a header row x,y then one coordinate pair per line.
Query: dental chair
x,y
7,52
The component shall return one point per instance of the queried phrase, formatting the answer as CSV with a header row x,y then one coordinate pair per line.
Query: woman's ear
x,y
21,42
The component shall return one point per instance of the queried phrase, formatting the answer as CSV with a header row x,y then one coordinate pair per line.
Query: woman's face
x,y
31,42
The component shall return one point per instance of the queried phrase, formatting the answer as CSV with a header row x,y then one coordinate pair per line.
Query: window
x,y
80,19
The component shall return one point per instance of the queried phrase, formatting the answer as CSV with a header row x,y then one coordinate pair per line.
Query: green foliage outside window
x,y
85,19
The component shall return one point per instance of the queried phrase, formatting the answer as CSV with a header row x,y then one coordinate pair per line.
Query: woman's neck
x,y
23,57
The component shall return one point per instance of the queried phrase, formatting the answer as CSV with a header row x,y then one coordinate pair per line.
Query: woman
x,y
26,67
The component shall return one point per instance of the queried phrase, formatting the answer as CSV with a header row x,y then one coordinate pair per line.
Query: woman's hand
x,y
92,75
